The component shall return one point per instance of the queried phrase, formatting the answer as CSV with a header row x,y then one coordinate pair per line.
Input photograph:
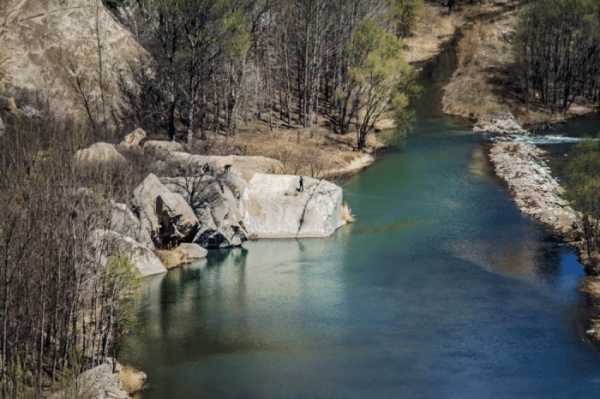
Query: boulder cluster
x,y
214,202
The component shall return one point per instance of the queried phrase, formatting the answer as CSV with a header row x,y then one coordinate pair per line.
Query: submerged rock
x,y
273,207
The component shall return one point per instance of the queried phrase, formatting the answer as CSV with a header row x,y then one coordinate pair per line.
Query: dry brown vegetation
x,y
482,85
434,28
132,379
486,83
347,215
316,152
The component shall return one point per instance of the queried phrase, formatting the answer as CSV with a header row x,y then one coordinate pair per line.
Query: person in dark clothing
x,y
301,188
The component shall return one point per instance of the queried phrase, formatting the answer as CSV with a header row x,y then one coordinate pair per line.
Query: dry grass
x,y
347,215
478,88
434,28
314,152
133,380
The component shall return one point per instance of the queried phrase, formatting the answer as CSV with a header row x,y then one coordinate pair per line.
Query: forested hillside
x,y
217,64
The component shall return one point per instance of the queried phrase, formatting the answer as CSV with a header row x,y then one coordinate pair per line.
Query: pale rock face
x,y
184,253
140,256
100,154
176,217
124,222
47,43
220,219
144,200
273,207
162,148
135,137
243,166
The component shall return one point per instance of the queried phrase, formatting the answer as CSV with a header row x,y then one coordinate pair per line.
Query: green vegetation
x,y
113,4
583,189
404,15
558,52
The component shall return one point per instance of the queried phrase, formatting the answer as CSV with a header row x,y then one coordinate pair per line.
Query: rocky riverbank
x,y
538,194
535,190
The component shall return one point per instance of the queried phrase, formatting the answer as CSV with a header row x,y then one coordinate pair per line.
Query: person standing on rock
x,y
301,188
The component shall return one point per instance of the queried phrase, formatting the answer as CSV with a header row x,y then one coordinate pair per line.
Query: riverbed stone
x,y
144,203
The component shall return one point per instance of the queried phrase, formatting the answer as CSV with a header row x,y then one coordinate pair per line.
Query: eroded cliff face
x,y
64,50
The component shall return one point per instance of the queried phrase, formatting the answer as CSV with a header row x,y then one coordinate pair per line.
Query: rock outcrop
x,y
176,218
99,383
103,241
184,253
161,149
124,222
48,44
215,206
100,154
135,137
274,208
243,166
144,203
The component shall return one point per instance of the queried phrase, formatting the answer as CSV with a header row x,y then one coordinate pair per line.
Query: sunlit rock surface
x,y
273,207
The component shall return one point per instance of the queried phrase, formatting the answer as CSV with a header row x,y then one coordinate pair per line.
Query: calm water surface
x,y
441,289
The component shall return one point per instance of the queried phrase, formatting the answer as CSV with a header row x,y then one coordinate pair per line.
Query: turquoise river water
x,y
441,289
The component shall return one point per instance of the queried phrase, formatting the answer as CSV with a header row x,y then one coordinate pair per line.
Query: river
x,y
441,289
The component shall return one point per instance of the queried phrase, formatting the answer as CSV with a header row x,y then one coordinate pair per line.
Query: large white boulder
x,y
100,154
273,207
105,242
